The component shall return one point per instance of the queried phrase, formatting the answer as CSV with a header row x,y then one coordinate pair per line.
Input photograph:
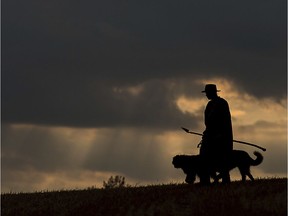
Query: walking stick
x,y
237,141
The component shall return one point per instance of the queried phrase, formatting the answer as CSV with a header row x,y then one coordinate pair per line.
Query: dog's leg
x,y
190,179
250,176
243,177
243,173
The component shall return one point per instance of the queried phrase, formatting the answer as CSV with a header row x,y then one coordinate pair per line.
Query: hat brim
x,y
205,91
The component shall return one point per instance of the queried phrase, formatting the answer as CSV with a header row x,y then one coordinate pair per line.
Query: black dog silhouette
x,y
192,166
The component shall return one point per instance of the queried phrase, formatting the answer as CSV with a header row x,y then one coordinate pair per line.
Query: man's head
x,y
211,91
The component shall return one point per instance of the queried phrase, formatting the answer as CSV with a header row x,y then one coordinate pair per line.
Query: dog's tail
x,y
258,160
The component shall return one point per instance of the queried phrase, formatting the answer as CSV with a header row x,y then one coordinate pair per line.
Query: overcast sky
x,y
92,89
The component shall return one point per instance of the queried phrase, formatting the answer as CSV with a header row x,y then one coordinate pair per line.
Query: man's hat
x,y
211,88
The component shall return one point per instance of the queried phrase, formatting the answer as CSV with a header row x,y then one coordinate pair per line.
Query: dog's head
x,y
187,163
179,161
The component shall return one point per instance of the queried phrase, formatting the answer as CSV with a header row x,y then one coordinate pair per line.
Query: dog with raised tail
x,y
192,165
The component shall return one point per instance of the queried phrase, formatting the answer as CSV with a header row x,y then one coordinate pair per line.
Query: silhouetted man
x,y
217,141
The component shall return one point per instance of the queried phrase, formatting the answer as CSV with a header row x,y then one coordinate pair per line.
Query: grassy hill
x,y
262,197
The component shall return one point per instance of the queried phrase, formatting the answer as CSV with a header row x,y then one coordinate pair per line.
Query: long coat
x,y
218,135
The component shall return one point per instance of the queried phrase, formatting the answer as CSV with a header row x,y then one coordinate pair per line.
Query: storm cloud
x,y
61,61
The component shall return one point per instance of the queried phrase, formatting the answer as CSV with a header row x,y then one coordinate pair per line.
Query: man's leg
x,y
205,161
205,176
226,177
205,170
224,164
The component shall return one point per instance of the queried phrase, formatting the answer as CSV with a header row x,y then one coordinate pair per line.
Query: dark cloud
x,y
134,153
35,148
277,160
98,104
61,63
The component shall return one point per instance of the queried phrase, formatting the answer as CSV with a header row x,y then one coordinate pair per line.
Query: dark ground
x,y
262,197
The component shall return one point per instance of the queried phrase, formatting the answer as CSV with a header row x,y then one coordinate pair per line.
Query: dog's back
x,y
243,161
240,157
